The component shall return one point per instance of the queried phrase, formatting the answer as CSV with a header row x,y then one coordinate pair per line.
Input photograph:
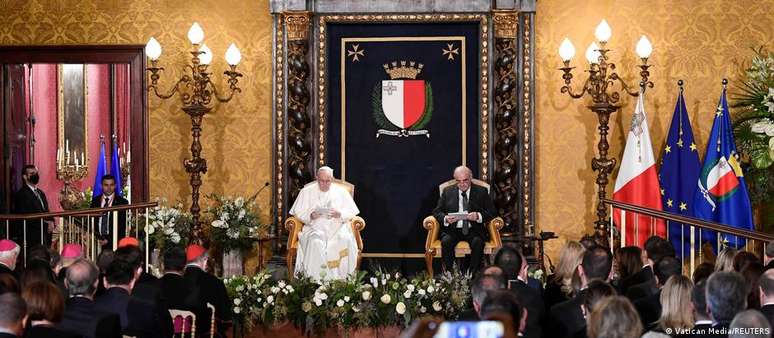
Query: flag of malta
x,y
637,183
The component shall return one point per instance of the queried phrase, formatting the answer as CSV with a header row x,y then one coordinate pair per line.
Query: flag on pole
x,y
115,168
679,172
101,170
637,182
721,195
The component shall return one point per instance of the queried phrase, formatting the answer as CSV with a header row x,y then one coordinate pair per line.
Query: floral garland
x,y
754,125
384,299
235,223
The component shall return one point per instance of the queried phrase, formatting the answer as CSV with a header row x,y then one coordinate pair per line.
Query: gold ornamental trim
x,y
297,24
529,227
506,23
279,104
322,72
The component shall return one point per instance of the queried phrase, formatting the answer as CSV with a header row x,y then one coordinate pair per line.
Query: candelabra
x,y
197,92
69,171
604,101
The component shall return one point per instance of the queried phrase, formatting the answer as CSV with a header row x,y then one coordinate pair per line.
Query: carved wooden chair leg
x,y
429,261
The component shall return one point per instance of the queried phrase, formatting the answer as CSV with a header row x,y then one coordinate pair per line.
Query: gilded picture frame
x,y
72,109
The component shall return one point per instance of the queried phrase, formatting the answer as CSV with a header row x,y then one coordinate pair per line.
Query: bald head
x,y
324,178
463,176
82,278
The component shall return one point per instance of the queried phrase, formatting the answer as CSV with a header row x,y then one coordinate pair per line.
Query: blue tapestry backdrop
x,y
403,112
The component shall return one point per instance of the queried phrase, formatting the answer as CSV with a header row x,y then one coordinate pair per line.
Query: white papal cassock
x,y
326,246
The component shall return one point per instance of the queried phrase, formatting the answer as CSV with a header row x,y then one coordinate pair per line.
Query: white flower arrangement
x,y
235,223
168,225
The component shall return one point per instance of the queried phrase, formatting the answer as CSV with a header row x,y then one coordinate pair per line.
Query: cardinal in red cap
x,y
211,288
9,251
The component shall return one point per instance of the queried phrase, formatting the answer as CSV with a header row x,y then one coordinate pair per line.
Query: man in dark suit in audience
x,y
726,296
31,200
649,307
147,287
768,255
646,273
658,249
699,300
81,316
211,288
766,285
178,292
481,285
566,318
13,313
104,224
464,197
514,268
138,317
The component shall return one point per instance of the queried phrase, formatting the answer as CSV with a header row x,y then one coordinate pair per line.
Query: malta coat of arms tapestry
x,y
403,110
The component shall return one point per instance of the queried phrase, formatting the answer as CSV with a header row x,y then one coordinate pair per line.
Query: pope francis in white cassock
x,y
326,244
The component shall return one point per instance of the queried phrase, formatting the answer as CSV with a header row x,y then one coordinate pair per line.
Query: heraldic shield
x,y
403,101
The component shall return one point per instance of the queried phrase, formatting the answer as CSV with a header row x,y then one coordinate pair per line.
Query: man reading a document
x,y
462,211
326,244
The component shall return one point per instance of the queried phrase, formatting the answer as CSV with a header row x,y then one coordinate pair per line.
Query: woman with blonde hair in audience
x,y
676,308
559,285
614,317
725,260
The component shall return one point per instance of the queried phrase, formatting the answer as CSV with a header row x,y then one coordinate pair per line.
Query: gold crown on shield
x,y
403,70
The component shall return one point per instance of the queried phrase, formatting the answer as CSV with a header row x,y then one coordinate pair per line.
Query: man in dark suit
x,y
566,318
138,318
766,285
211,288
699,299
13,313
656,248
178,292
481,285
514,268
768,256
464,197
649,307
81,315
31,200
726,296
104,225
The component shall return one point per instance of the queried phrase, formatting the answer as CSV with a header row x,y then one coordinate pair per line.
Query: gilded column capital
x,y
505,23
297,24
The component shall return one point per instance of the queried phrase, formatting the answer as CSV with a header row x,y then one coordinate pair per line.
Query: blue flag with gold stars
x,y
678,176
722,194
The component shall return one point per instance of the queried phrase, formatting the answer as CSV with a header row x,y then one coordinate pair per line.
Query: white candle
x,y
83,158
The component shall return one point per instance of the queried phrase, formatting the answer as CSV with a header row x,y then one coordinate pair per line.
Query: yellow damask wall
x,y
698,41
236,138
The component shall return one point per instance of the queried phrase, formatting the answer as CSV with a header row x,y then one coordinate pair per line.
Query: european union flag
x,y
101,171
115,169
679,174
722,194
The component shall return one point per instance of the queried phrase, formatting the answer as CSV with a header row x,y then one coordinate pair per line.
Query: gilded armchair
x,y
433,242
294,226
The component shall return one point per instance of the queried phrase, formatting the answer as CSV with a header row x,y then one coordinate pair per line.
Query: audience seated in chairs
x,y
481,285
81,316
211,288
502,301
514,268
45,308
649,307
179,293
656,248
139,318
566,318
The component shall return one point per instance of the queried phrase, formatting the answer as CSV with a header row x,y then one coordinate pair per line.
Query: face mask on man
x,y
34,178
